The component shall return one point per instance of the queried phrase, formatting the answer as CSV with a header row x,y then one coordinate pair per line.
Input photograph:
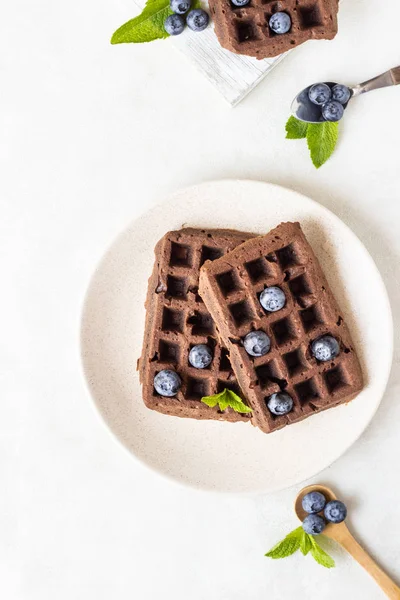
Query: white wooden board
x,y
233,75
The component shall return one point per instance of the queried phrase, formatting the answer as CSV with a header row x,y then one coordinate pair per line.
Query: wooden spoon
x,y
340,533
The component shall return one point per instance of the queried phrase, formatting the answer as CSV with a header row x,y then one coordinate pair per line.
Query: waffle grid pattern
x,y
178,320
310,312
246,29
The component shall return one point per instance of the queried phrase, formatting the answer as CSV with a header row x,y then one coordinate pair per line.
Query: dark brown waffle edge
x,y
231,287
245,30
176,319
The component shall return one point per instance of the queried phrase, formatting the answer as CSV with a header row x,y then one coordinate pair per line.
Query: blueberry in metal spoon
x,y
305,110
332,111
341,93
320,93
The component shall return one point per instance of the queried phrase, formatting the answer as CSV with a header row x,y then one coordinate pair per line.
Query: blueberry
x,y
272,299
257,343
320,93
313,524
280,22
174,24
180,7
240,2
325,348
197,19
280,403
200,356
313,502
332,111
167,383
335,511
341,93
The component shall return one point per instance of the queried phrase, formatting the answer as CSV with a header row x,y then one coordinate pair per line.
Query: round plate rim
x,y
173,197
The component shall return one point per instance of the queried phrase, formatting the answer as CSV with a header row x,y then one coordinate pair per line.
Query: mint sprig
x,y
321,141
298,539
296,129
305,543
147,26
289,545
321,138
320,555
226,399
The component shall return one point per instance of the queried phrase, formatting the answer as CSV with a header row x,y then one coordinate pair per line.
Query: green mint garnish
x,y
289,545
298,539
226,399
147,26
305,543
295,129
321,138
320,555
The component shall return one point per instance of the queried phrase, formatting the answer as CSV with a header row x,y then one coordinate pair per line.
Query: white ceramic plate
x,y
215,455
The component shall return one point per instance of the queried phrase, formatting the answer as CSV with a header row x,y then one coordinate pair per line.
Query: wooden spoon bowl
x,y
341,534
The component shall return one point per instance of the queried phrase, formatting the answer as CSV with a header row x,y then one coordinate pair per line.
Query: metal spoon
x,y
340,533
304,110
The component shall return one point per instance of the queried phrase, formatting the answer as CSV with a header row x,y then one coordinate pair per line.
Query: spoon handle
x,y
389,78
387,585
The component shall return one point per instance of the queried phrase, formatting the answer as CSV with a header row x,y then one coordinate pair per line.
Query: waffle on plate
x,y
231,288
177,319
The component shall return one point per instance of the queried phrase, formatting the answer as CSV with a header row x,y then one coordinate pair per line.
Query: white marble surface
x,y
91,135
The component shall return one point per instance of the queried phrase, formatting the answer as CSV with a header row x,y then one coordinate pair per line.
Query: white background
x,y
90,136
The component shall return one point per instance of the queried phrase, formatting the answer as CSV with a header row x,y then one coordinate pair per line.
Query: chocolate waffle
x,y
177,319
245,30
231,287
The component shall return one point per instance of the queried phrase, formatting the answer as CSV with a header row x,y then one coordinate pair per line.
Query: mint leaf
x,y
305,543
147,26
321,140
288,545
212,401
320,555
235,402
226,399
224,402
295,129
299,539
